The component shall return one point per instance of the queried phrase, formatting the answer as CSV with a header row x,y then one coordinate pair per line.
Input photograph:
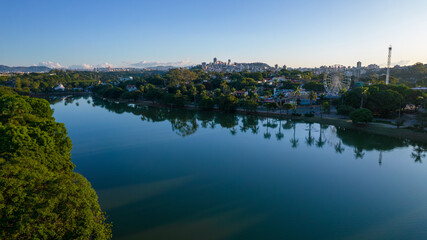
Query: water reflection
x,y
187,122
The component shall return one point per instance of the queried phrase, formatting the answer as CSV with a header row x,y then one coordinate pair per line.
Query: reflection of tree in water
x,y
419,153
185,122
280,135
320,141
226,120
270,124
294,141
184,127
358,153
369,142
309,140
250,122
206,118
339,148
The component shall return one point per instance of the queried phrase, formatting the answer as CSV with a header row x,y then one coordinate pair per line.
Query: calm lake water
x,y
181,174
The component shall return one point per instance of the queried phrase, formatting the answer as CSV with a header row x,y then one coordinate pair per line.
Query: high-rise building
x,y
276,66
215,60
358,69
229,61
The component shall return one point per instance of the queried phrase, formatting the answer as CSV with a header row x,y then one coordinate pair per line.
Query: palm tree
x,y
312,96
297,92
364,91
281,95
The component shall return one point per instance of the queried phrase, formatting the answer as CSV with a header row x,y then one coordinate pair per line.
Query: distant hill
x,y
36,69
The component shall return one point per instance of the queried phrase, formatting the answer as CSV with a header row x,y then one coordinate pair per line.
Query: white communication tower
x,y
387,78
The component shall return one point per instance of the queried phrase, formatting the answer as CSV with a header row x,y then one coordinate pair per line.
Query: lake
x,y
181,174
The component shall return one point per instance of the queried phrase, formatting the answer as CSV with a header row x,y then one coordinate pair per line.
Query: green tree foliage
x,y
152,93
40,195
345,110
134,95
227,103
249,105
383,100
287,107
206,103
361,115
314,86
326,107
271,106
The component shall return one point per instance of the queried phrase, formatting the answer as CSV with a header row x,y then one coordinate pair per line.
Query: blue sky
x,y
296,33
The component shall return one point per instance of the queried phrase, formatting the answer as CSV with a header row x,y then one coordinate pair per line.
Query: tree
x,y
228,103
152,93
361,115
271,106
345,110
314,86
249,105
41,196
281,95
287,107
326,107
206,102
193,92
312,96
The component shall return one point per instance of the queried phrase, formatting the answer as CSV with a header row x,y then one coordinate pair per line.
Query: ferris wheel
x,y
336,81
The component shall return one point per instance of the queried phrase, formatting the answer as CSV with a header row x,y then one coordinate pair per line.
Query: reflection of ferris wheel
x,y
334,82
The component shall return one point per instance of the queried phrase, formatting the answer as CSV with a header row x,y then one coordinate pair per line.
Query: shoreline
x,y
372,128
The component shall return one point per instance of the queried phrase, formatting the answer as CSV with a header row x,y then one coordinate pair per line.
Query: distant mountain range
x,y
36,69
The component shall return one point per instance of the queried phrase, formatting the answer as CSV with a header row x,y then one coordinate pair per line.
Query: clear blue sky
x,y
302,33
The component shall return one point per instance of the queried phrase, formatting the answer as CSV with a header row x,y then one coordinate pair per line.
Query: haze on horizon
x,y
303,33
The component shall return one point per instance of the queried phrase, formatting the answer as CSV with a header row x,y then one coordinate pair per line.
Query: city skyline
x,y
87,34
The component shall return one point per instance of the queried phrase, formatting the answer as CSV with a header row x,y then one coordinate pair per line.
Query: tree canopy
x,y
41,197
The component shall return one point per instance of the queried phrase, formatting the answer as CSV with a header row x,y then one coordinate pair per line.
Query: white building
x,y
60,87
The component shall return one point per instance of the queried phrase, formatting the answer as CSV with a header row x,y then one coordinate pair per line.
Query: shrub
x,y
345,110
361,115
326,107
309,114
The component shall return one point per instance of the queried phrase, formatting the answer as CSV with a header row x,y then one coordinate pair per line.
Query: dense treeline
x,y
412,76
181,86
46,82
383,100
40,195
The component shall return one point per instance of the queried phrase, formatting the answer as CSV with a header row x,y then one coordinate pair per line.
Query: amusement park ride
x,y
336,81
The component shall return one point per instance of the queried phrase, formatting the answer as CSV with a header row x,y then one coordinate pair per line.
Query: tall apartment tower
x,y
229,61
358,69
215,60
